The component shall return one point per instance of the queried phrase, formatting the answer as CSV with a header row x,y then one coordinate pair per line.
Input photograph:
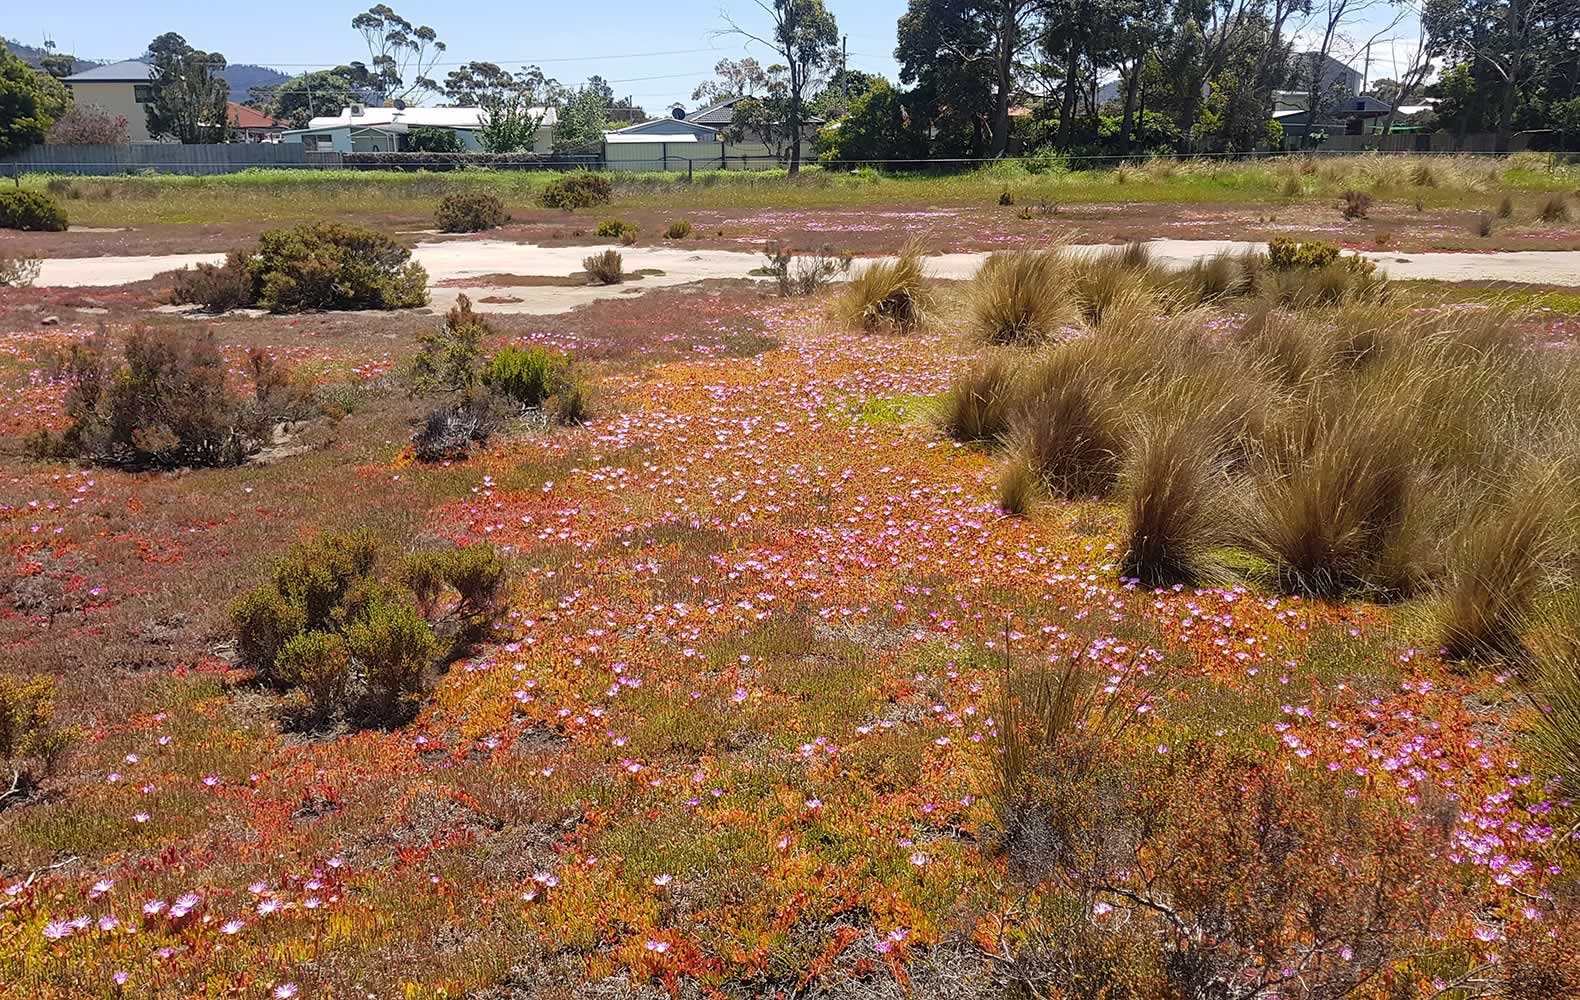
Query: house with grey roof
x,y
122,88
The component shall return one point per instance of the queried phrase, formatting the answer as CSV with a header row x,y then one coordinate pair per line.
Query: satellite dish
x,y
400,105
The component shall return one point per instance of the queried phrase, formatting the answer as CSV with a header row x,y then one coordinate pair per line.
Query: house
x,y
1346,116
122,88
252,125
361,129
1333,76
699,140
671,143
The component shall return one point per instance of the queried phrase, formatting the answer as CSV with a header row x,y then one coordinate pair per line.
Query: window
x,y
143,93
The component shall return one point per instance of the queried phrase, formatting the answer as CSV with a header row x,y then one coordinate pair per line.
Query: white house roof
x,y
670,137
130,71
648,125
462,118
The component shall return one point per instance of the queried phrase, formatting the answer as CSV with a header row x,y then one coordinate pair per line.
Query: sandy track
x,y
459,262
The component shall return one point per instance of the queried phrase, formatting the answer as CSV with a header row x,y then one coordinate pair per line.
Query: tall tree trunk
x,y
795,123
1004,57
1132,83
1072,64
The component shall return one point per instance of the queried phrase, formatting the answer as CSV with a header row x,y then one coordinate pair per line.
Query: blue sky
x,y
570,40
655,52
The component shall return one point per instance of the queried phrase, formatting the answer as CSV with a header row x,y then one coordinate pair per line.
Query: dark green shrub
x,y
678,231
214,287
264,621
329,624
579,189
30,743
451,359
570,402
470,212
1286,254
31,212
395,647
426,139
617,229
528,376
327,265
319,665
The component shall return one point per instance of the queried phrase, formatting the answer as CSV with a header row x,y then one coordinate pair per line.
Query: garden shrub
x,y
353,638
31,745
1286,254
217,288
327,265
470,212
395,647
617,229
319,665
607,268
678,231
19,272
450,360
31,212
164,405
529,376
579,189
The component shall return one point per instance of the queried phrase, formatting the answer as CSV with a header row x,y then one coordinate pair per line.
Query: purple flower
x,y
284,991
231,927
120,978
57,930
109,922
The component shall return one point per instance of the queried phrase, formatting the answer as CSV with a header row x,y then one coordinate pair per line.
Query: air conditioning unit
x,y
357,109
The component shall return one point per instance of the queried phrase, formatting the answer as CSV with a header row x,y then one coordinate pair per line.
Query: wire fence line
x,y
211,164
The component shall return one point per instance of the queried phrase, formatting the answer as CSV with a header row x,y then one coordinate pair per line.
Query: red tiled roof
x,y
242,116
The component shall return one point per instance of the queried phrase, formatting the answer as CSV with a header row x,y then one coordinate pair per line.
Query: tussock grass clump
x,y
1554,209
979,406
1423,175
1175,498
1502,565
888,295
1069,431
678,230
606,268
1553,665
1506,207
1021,297
1332,509
1355,204
1105,279
1483,225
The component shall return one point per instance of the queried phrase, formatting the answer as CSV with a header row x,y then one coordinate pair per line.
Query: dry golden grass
x,y
979,406
888,295
1022,297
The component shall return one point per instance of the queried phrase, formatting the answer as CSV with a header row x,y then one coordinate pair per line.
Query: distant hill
x,y
242,77
34,56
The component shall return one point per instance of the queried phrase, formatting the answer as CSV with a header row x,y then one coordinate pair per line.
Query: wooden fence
x,y
164,158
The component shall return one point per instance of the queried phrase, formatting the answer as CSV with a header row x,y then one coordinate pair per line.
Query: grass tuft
x,y
1021,297
888,295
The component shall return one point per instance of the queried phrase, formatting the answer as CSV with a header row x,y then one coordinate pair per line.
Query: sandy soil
x,y
489,270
